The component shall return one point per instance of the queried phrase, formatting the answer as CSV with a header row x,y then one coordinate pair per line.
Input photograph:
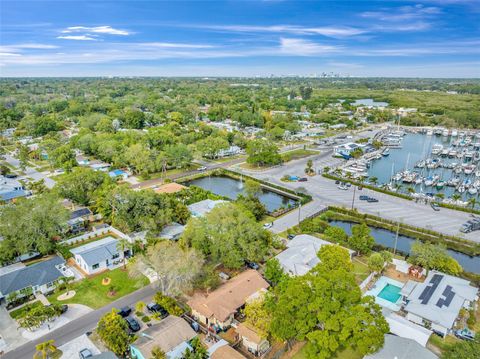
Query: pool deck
x,y
378,287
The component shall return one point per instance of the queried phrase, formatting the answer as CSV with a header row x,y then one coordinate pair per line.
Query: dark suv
x,y
157,308
124,312
132,324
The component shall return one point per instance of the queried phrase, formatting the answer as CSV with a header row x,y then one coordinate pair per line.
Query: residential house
x,y
404,112
99,166
19,280
200,209
79,219
401,348
82,160
347,148
251,340
172,231
217,309
221,350
98,256
436,303
231,151
11,189
172,335
171,187
301,254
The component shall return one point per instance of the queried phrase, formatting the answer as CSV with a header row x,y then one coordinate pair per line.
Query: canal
x,y
232,188
386,239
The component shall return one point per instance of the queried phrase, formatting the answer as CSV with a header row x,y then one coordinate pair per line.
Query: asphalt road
x,y
81,325
30,172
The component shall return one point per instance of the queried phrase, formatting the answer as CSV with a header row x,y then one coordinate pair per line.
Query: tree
x,y
472,202
361,240
168,303
263,153
211,146
174,267
158,353
309,167
356,153
63,157
431,256
113,331
122,245
45,349
375,262
274,271
228,234
252,188
333,256
336,235
83,185
133,119
31,225
179,156
373,180
464,349
326,307
140,306
253,205
23,156
258,316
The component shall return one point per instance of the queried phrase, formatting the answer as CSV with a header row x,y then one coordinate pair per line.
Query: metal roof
x,y
98,251
401,348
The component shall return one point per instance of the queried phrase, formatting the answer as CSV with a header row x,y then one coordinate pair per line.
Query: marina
x,y
428,164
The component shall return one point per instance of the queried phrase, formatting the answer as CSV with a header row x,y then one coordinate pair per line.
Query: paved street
x,y
325,192
30,172
82,325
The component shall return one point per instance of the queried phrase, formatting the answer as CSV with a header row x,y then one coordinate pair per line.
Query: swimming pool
x,y
390,292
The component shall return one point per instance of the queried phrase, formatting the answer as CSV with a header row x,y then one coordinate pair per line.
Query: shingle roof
x,y
301,255
98,251
80,212
226,300
440,298
167,334
35,274
201,208
226,351
401,348
172,231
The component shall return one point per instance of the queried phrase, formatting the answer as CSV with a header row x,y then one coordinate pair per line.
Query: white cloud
x,y
77,37
175,45
302,47
96,29
329,31
403,13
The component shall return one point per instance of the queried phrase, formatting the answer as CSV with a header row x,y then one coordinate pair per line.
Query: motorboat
x,y
436,149
429,132
468,169
386,152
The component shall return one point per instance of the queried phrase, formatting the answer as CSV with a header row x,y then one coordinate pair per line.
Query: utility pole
x,y
396,239
299,208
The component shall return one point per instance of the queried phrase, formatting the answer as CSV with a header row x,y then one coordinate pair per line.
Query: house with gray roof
x,y
10,189
436,303
301,254
200,209
401,348
98,256
172,231
19,280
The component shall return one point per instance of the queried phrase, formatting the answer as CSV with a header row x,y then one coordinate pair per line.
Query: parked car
x,y
132,324
85,353
10,175
224,276
252,265
203,168
372,200
337,182
342,187
268,225
363,197
291,236
124,312
157,308
465,334
303,179
435,206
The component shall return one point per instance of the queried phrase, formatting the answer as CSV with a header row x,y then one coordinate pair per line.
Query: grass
x,y
92,293
442,343
297,154
360,269
167,173
20,312
344,354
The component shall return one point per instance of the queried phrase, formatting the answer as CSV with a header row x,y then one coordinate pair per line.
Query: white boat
x,y
473,190
452,153
454,133
445,133
469,169
436,149
429,132
477,174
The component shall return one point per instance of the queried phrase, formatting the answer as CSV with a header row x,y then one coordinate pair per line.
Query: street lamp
x,y
353,198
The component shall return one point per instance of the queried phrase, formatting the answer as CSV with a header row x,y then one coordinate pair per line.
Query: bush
x,y
168,303
146,318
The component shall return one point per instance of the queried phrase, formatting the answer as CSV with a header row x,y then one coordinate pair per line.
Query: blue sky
x,y
435,38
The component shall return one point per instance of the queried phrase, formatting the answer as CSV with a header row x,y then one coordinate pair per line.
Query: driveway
x,y
73,347
10,337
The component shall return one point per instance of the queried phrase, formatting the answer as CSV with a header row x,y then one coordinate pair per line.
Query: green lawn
x,y
297,154
167,173
360,269
345,354
93,293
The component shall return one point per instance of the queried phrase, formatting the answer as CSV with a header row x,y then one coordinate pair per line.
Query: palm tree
x,y
45,349
439,196
456,196
158,353
472,202
122,244
410,190
374,180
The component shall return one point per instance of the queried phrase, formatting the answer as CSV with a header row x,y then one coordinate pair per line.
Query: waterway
x,y
386,239
416,147
232,188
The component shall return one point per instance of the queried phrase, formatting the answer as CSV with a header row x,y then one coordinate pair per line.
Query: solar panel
x,y
428,291
448,294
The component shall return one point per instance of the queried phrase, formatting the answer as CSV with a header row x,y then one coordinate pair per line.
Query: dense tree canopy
x,y
431,256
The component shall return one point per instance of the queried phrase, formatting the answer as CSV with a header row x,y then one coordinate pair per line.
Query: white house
x,y
301,254
95,257
200,209
436,303
347,148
